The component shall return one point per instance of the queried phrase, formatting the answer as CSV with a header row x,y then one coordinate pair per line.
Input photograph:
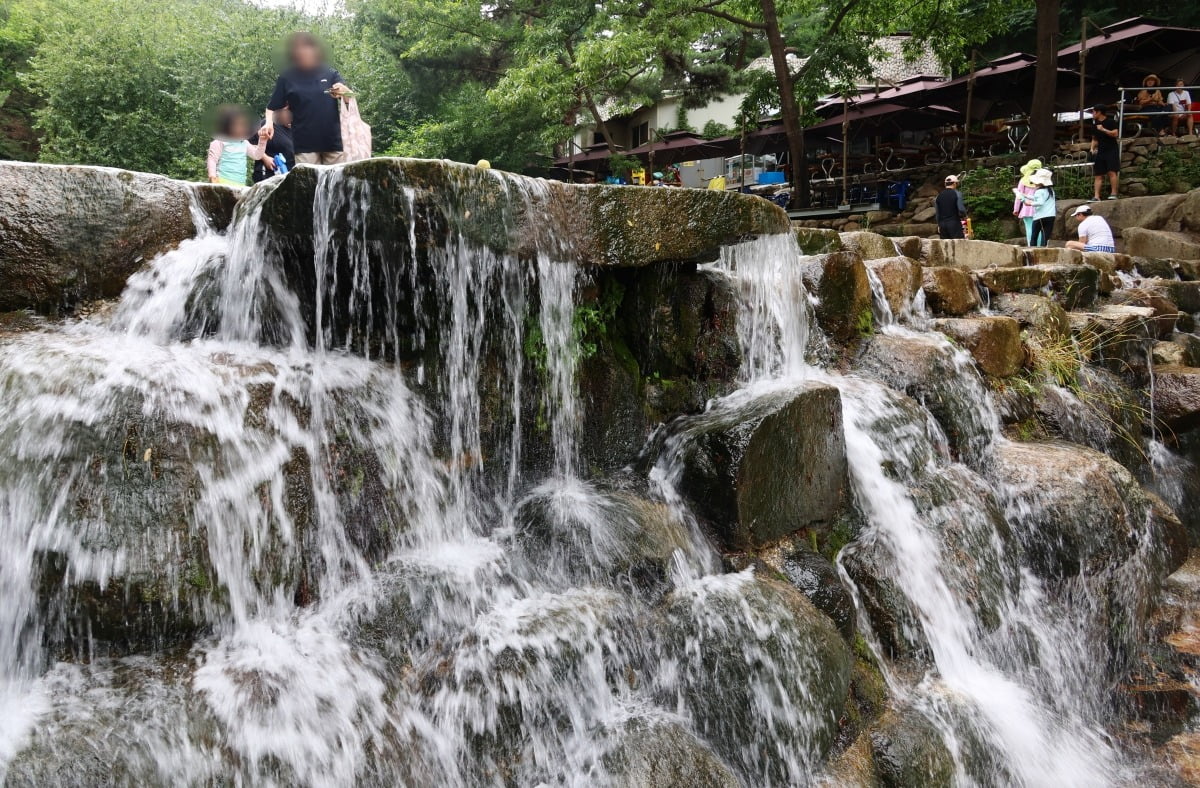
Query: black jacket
x,y
280,143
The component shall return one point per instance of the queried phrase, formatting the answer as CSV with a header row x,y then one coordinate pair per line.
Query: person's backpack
x,y
356,134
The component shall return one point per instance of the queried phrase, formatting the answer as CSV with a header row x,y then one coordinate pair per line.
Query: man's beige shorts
x,y
333,157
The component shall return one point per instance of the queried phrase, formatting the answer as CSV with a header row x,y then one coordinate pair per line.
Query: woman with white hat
x,y
1094,233
1042,207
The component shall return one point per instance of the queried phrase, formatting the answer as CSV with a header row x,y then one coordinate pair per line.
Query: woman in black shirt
x,y
310,89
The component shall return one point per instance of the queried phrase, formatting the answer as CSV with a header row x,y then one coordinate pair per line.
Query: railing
x,y
1122,101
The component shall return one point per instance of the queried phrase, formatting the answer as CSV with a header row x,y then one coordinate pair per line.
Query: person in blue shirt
x,y
310,89
1044,207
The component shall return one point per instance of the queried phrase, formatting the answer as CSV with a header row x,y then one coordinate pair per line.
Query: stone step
x,y
1076,286
1114,335
949,291
994,341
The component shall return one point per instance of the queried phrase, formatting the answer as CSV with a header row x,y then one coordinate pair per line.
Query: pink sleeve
x,y
258,151
214,155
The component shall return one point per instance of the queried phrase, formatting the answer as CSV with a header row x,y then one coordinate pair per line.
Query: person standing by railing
x,y
1106,151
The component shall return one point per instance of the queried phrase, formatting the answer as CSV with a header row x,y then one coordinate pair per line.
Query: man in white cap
x,y
1094,233
950,210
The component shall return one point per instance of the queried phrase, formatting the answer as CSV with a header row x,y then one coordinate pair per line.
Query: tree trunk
x,y
1045,82
601,124
787,104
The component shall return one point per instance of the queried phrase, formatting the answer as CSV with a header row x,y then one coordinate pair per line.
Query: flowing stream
x,y
437,623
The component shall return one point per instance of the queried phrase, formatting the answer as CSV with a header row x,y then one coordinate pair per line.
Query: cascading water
x,y
380,580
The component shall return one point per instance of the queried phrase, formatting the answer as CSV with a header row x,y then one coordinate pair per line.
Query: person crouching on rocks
x,y
1094,233
229,150
950,210
1042,207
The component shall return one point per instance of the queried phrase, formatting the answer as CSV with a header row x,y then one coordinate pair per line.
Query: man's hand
x,y
267,131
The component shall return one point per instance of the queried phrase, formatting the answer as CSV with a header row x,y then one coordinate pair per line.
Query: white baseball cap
x,y
951,179
1082,209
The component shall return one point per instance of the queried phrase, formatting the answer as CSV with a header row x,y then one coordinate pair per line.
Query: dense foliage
x,y
133,83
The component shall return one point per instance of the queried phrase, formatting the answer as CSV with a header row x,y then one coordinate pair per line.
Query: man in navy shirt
x,y
311,90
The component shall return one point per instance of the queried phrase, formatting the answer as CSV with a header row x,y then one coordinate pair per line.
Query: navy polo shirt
x,y
316,127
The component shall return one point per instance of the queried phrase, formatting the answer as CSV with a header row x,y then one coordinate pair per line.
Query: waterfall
x,y
342,516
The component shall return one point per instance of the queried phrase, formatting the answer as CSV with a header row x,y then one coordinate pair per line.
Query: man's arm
x,y
962,206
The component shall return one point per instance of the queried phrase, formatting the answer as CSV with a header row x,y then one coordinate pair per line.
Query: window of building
x,y
598,138
640,134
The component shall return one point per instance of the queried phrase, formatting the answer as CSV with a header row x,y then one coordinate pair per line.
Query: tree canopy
x,y
132,83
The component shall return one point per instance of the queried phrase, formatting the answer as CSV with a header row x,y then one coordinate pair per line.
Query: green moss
x,y
865,322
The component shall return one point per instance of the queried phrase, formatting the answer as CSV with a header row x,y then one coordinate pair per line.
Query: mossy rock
x,y
72,234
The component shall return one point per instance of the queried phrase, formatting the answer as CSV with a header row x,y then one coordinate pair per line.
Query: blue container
x,y
770,177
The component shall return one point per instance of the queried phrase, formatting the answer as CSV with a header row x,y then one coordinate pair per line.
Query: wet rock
x,y
571,529
746,644
1140,242
1014,280
815,241
1075,286
949,291
663,754
773,467
994,342
1154,267
1185,295
1191,346
970,255
1170,533
908,751
839,281
1114,335
1109,263
1166,313
901,279
1059,255
818,579
71,234
1169,354
1177,396
869,246
592,225
930,370
1075,511
1043,317
1100,411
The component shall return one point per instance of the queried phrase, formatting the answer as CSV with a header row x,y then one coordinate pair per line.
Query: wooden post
x,y
970,99
1083,51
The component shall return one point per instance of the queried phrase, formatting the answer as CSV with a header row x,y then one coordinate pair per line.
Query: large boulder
x,y
1166,313
814,240
839,281
1140,242
869,246
1115,335
817,577
1177,396
949,291
764,675
1016,279
970,255
1185,295
770,468
994,342
72,234
661,753
900,278
1075,510
1133,212
1074,285
908,750
1043,317
930,370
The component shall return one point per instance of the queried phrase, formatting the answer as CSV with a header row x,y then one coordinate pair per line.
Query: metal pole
x,y
845,149
970,99
1121,127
